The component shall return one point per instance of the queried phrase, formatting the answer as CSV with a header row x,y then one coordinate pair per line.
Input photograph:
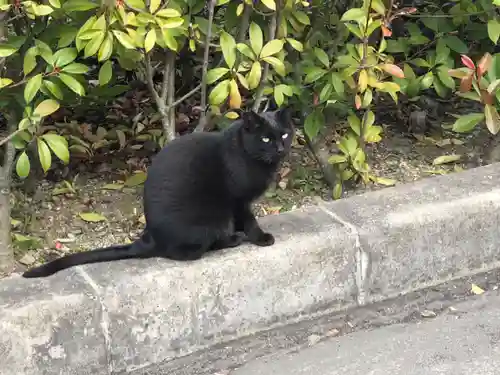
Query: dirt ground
x,y
47,222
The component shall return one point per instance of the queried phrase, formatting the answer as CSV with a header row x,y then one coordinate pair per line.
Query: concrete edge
x,y
131,314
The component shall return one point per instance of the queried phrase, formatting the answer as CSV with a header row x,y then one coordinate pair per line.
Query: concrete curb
x,y
111,318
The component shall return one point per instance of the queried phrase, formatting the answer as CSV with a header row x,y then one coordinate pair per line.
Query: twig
x,y
184,97
272,34
362,63
170,97
203,103
10,136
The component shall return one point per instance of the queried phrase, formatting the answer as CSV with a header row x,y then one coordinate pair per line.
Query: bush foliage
x,y
330,60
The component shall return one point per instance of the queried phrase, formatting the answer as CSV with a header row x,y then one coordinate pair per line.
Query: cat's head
x,y
267,136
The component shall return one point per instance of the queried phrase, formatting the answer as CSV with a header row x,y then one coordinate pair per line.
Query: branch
x,y
272,34
169,119
151,85
9,137
186,96
203,104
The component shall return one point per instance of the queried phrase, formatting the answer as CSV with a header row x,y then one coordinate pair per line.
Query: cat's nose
x,y
281,148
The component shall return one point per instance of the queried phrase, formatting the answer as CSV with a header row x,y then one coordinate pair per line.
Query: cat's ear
x,y
284,117
251,120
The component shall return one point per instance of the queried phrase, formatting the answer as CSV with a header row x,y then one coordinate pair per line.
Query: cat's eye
x,y
284,136
265,139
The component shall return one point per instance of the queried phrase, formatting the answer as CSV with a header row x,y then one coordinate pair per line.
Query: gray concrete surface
x,y
130,314
465,341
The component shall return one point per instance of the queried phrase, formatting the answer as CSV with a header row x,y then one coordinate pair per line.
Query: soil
x,y
47,221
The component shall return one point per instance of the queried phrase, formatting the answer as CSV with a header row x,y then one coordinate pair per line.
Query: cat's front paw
x,y
263,239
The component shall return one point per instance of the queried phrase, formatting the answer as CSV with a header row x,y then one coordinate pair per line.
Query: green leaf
x,y
105,73
271,48
213,75
32,88
23,165
296,45
45,51
154,5
455,44
444,159
93,217
385,181
170,23
75,68
54,89
29,62
42,10
7,50
314,74
337,191
93,45
4,82
44,154
79,6
313,123
354,14
445,78
338,83
219,93
337,159
150,40
59,146
228,46
65,56
494,30
47,107
279,97
124,39
254,75
72,84
277,64
302,17
136,179
256,38
467,122
322,57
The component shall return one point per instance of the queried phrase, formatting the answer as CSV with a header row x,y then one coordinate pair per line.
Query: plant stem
x,y
203,117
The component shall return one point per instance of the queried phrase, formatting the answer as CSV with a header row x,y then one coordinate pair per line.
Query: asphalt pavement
x,y
465,340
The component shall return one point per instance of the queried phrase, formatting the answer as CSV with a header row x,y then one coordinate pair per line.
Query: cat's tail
x,y
137,249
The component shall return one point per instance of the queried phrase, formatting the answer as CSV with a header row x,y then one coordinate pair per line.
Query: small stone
x,y
428,314
28,259
313,339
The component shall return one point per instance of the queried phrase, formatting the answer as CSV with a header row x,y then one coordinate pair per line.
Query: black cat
x,y
198,193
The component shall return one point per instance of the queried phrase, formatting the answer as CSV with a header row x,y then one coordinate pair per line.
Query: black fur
x,y
198,193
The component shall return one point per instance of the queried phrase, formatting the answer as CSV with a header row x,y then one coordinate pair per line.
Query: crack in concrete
x,y
104,316
363,261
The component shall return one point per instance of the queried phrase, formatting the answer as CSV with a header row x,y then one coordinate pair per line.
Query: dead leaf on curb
x,y
313,339
93,217
476,289
446,159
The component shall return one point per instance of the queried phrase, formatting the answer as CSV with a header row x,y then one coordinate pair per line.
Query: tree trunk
x,y
6,252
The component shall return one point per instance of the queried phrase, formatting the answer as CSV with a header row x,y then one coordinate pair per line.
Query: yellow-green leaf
x,y
154,5
59,146
93,45
72,83
492,118
23,165
150,40
91,217
277,64
124,39
105,73
271,48
47,107
385,181
271,4
256,38
168,13
468,122
234,95
106,47
253,78
298,46
44,154
5,82
322,57
136,179
228,46
29,62
476,289
219,93
54,89
444,159
75,68
32,87
213,75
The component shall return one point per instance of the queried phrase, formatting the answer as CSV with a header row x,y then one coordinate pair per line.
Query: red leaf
x,y
386,31
467,61
58,245
315,99
466,83
486,97
357,101
394,70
